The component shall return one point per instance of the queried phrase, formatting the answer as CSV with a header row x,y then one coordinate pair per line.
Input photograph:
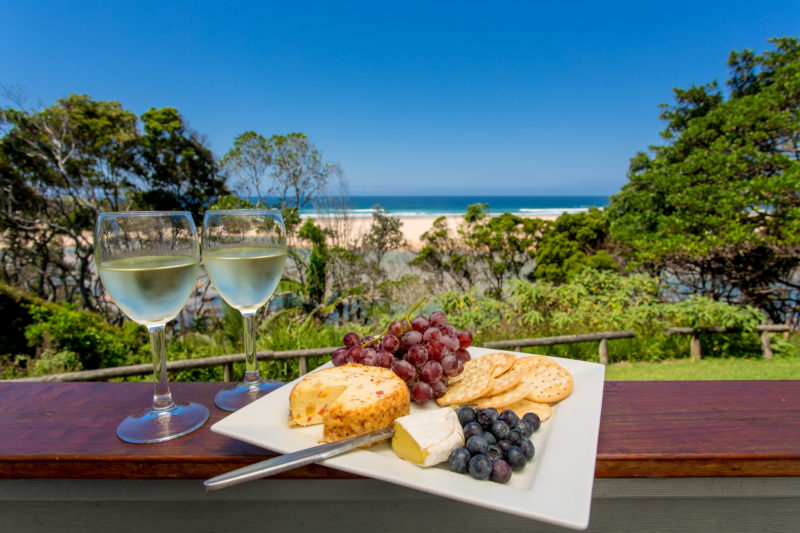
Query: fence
x,y
227,361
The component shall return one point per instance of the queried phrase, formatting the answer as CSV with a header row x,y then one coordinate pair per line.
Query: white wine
x,y
246,276
152,289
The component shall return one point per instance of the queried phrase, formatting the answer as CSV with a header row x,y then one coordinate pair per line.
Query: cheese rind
x,y
348,400
427,438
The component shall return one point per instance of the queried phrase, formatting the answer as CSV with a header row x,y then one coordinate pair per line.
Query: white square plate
x,y
555,486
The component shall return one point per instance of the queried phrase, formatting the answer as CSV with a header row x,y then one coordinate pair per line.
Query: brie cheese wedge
x,y
427,438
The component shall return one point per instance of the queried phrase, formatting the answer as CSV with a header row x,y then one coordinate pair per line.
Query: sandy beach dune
x,y
412,227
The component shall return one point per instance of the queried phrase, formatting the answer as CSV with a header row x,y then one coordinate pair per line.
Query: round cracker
x,y
502,361
552,384
479,365
507,380
473,386
534,360
542,410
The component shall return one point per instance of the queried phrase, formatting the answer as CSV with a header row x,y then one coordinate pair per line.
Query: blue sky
x,y
407,97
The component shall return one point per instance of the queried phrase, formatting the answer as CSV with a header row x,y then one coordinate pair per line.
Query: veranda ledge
x,y
672,456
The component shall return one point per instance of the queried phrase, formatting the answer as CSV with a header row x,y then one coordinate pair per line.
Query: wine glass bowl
x,y
244,253
148,264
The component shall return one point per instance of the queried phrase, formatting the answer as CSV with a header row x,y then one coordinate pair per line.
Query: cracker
x,y
505,381
473,386
523,406
552,384
502,361
479,365
534,360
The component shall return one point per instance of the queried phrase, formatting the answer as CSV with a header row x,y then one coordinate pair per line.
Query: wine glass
x,y
148,263
244,252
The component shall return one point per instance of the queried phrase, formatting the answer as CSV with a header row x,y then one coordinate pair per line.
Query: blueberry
x,y
516,458
514,435
501,472
473,428
490,438
500,429
486,417
466,415
459,460
480,466
477,444
509,417
504,445
525,429
532,419
494,452
527,447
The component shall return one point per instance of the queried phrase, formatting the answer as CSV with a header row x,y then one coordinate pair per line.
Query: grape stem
x,y
407,318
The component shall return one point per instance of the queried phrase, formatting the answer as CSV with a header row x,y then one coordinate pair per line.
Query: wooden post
x,y
604,351
227,372
301,365
694,347
766,349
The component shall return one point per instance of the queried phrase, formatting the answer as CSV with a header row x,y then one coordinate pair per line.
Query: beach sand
x,y
412,227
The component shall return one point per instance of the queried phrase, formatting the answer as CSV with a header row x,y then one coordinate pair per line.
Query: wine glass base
x,y
152,425
241,394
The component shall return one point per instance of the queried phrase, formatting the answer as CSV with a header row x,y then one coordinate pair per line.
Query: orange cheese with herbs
x,y
349,400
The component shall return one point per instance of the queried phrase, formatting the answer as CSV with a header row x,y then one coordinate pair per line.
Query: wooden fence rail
x,y
695,333
227,361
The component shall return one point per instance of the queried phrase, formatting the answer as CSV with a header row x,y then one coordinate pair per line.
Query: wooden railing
x,y
227,361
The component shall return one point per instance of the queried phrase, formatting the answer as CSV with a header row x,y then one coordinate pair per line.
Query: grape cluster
x,y
423,352
496,443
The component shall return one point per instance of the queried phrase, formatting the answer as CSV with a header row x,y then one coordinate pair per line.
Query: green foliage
x,y
317,262
230,201
717,207
441,255
570,244
68,339
180,171
504,243
601,301
249,161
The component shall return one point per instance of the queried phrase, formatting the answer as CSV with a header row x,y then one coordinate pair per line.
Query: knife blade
x,y
289,461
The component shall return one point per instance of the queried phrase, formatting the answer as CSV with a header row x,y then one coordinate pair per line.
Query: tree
x,y
249,161
571,243
179,170
58,167
298,173
505,243
717,208
384,234
442,254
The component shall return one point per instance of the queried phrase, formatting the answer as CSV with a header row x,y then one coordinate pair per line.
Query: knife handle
x,y
289,461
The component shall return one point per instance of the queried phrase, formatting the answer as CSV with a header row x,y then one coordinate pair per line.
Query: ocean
x,y
435,206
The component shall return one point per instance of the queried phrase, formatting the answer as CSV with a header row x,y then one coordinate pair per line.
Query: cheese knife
x,y
289,461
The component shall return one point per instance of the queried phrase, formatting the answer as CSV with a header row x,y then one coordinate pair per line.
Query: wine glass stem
x,y
162,397
250,363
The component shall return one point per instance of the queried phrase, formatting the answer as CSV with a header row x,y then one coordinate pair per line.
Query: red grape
x,y
462,355
437,319
421,392
368,356
439,388
449,330
390,343
404,370
464,339
420,324
451,343
431,333
351,339
354,354
417,355
432,371
435,349
410,339
384,359
451,365
339,357
397,328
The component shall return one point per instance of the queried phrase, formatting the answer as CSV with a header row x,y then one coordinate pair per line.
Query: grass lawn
x,y
705,369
